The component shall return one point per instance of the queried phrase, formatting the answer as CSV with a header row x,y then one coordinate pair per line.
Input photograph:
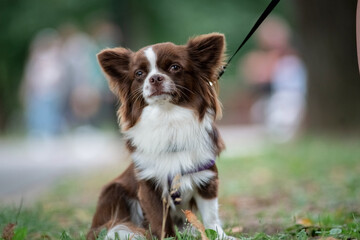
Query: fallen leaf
x,y
39,236
8,231
304,222
191,217
238,229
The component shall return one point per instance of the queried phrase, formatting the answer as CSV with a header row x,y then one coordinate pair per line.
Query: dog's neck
x,y
169,140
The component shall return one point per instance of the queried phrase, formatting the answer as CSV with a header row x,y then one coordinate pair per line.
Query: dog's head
x,y
184,75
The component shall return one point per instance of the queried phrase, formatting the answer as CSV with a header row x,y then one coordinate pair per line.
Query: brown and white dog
x,y
169,104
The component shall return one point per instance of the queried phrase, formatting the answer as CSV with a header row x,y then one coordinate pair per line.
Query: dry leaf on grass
x,y
191,217
38,236
238,229
8,231
304,222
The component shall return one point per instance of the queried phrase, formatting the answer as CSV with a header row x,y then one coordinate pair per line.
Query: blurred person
x,y
83,95
106,34
42,90
83,85
88,93
278,79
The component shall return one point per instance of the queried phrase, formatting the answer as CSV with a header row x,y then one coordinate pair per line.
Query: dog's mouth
x,y
160,93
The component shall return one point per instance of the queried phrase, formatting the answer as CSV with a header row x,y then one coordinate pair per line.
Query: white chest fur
x,y
170,139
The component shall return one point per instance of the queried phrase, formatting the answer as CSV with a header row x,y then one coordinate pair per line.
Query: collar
x,y
200,168
176,195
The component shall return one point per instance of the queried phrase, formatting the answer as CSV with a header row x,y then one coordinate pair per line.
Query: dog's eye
x,y
139,73
174,68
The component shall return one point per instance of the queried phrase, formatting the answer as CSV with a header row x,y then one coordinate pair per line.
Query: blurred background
x,y
51,83
296,77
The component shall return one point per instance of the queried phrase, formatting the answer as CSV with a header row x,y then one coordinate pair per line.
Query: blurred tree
x,y
327,32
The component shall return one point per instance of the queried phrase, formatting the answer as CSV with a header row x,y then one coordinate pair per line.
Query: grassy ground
x,y
305,190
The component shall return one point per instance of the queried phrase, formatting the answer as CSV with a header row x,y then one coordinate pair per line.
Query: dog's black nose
x,y
156,79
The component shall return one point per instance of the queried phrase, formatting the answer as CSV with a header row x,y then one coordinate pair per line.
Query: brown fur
x,y
201,58
210,189
113,207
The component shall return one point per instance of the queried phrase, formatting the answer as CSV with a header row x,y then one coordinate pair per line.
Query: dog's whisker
x,y
135,95
185,88
136,92
182,93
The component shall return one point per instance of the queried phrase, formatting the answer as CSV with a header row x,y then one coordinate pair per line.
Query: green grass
x,y
304,190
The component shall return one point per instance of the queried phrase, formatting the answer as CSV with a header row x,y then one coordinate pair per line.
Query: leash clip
x,y
223,68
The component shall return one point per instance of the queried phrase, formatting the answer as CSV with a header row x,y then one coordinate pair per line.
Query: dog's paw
x,y
222,235
122,232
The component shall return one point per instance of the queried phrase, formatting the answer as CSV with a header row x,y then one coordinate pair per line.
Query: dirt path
x,y
29,166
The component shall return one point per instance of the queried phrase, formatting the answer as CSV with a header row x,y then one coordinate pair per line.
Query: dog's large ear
x,y
207,51
115,64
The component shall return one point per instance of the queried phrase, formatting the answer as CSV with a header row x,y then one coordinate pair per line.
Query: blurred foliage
x,y
176,21
142,23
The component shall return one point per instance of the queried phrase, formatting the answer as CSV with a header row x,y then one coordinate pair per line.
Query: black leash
x,y
263,16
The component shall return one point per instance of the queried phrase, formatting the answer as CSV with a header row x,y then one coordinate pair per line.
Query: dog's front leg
x,y
209,212
152,206
207,203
